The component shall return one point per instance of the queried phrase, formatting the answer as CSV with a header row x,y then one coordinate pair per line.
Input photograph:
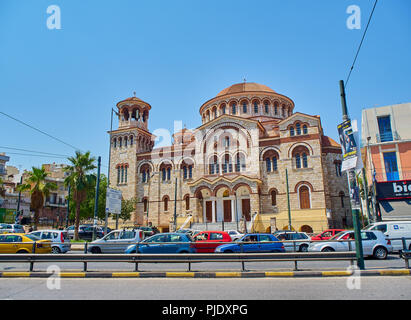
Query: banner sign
x,y
394,190
351,151
113,201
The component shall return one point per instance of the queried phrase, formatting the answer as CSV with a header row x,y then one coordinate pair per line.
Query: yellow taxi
x,y
23,243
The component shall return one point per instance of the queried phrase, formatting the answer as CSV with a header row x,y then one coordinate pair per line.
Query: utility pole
x,y
96,198
108,173
288,201
353,185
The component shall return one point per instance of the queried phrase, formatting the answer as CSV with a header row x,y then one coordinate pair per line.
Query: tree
x,y
80,181
39,189
127,207
2,188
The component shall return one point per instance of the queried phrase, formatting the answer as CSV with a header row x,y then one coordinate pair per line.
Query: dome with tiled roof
x,y
245,87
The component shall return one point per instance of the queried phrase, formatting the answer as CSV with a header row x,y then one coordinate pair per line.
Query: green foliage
x,y
127,207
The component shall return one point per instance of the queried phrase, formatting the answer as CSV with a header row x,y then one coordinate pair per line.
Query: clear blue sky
x,y
178,54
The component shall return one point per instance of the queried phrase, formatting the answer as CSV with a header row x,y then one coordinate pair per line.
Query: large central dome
x,y
245,87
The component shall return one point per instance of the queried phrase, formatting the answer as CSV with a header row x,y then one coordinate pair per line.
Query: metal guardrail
x,y
188,258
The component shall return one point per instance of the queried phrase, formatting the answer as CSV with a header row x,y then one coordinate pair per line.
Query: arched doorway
x,y
243,202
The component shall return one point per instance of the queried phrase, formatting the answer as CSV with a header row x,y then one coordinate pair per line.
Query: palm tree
x,y
39,189
80,181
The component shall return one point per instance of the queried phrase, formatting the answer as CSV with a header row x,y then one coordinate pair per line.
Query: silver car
x,y
60,240
116,241
374,244
235,235
11,228
293,240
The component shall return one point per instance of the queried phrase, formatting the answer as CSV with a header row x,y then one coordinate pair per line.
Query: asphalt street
x,y
370,288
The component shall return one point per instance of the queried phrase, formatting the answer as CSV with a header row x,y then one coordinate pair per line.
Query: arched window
x,y
266,107
165,204
215,112
255,107
190,171
268,164
185,172
305,162
145,207
214,166
292,133
276,108
118,174
164,176
168,173
144,177
244,107
115,142
223,109
304,195
240,162
275,167
227,165
297,161
125,142
233,108
120,142
187,200
122,174
305,129
298,128
131,140
273,198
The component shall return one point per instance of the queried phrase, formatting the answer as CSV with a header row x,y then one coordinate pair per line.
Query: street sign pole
x,y
288,201
353,187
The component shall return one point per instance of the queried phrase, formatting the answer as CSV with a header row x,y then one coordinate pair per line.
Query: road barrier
x,y
188,258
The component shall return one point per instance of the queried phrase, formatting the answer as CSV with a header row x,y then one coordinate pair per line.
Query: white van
x,y
394,229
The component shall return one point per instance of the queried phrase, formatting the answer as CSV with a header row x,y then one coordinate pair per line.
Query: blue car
x,y
253,242
164,243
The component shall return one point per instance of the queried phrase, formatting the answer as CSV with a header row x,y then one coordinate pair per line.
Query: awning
x,y
395,209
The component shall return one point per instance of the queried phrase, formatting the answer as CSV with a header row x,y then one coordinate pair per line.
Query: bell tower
x,y
131,138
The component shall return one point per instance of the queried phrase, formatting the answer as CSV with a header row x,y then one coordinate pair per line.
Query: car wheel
x,y
55,250
380,253
303,248
183,251
22,251
95,250
228,251
327,249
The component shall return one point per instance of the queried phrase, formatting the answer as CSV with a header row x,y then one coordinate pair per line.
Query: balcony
x,y
387,136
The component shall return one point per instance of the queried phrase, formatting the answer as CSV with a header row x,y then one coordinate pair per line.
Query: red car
x,y
207,241
327,234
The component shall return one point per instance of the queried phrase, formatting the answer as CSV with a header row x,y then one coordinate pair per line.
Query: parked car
x,y
235,235
253,242
301,240
164,243
207,241
85,232
11,228
394,229
374,244
23,243
327,234
60,241
116,241
148,231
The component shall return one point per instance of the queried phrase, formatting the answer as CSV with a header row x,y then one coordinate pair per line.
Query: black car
x,y
85,232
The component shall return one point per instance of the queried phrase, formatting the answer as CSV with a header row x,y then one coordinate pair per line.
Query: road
x,y
372,288
393,261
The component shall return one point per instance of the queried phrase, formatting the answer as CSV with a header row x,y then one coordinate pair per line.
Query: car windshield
x,y
337,235
32,237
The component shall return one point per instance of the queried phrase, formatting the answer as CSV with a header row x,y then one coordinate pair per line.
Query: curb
x,y
263,274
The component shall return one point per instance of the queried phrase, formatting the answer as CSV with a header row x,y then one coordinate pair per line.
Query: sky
x,y
178,54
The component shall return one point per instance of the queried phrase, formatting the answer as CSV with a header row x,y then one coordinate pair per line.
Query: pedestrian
x,y
30,229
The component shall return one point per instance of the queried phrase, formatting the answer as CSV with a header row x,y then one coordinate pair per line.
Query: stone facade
x,y
234,166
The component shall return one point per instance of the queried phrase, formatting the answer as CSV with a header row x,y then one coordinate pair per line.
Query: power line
x,y
36,155
362,40
38,130
42,152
